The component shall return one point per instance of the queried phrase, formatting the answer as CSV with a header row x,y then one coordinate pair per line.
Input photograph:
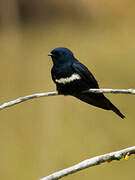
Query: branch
x,y
114,91
38,95
25,98
117,155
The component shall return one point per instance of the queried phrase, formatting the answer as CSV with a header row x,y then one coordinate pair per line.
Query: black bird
x,y
73,78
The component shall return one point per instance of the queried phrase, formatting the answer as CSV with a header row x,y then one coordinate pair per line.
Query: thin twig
x,y
38,95
118,155
114,91
25,98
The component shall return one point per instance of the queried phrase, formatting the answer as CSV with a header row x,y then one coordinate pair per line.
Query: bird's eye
x,y
55,54
58,53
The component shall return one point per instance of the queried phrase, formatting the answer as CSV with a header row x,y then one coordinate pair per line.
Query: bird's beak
x,y
50,54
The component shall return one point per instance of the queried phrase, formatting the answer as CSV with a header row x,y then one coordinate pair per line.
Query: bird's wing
x,y
85,74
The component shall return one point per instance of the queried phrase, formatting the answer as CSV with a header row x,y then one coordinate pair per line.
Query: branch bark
x,y
38,95
117,155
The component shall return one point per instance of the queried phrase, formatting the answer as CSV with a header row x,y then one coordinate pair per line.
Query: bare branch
x,y
117,155
114,91
25,98
38,95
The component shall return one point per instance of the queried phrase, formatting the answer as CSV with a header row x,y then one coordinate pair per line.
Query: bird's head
x,y
61,55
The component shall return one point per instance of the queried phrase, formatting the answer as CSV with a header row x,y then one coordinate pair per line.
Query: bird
x,y
73,78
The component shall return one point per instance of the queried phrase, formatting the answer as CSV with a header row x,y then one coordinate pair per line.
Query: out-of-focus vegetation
x,y
44,135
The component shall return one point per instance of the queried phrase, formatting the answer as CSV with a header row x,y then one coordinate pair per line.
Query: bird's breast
x,y
70,85
65,80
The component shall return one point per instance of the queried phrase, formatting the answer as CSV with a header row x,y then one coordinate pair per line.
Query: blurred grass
x,y
44,135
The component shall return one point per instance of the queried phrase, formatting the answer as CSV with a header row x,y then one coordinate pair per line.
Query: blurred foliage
x,y
47,134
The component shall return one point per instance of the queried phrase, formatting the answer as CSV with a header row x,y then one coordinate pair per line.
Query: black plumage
x,y
73,78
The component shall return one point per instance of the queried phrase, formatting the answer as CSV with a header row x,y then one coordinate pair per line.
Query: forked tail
x,y
116,110
99,100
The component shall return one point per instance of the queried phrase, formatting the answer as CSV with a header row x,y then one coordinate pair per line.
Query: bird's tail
x,y
99,100
115,109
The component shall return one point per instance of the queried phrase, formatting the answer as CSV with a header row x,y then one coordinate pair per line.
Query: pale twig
x,y
114,91
117,155
25,98
38,95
